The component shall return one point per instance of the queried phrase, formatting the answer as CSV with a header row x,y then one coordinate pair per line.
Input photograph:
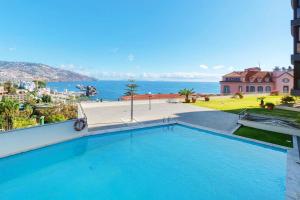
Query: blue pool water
x,y
165,162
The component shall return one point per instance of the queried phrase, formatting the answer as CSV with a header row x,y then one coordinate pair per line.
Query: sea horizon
x,y
113,90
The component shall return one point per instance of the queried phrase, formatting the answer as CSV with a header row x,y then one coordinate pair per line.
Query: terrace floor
x,y
117,114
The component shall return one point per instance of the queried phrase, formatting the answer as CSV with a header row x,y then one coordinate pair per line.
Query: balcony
x,y
295,58
231,80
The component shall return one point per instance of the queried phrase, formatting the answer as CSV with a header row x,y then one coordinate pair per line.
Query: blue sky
x,y
193,40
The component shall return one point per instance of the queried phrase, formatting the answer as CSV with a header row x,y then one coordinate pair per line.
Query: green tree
x,y
8,109
131,90
27,111
39,84
46,98
186,92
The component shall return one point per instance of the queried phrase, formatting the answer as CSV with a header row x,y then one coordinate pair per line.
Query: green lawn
x,y
251,103
266,136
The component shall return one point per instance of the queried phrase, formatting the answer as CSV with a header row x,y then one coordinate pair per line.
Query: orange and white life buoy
x,y
79,124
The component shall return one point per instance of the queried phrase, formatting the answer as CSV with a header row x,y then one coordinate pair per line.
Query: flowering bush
x,y
287,100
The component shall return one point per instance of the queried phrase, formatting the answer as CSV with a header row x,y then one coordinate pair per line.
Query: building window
x,y
240,88
268,89
233,79
267,80
260,89
247,89
226,89
286,80
252,89
286,89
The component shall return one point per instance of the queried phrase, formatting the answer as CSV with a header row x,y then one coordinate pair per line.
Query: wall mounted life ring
x,y
79,124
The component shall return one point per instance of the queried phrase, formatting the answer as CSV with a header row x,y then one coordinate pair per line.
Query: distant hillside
x,y
31,71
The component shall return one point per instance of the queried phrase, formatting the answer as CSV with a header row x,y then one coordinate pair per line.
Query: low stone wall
x,y
267,127
21,140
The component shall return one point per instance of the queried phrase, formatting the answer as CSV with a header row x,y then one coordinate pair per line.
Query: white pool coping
x,y
293,168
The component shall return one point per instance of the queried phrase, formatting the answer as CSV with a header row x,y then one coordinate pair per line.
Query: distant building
x,y
253,80
27,85
295,58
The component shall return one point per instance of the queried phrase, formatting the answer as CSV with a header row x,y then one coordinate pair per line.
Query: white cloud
x,y
218,67
150,76
203,66
172,76
131,57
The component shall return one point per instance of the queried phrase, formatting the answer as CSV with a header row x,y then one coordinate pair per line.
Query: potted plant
x,y
270,106
194,99
186,92
206,98
262,102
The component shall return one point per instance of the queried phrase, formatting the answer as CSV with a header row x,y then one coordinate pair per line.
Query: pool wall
x,y
22,140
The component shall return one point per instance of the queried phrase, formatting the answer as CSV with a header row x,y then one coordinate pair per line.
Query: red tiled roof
x,y
233,74
153,96
250,74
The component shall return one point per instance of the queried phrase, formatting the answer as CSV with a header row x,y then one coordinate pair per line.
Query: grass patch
x,y
266,136
251,103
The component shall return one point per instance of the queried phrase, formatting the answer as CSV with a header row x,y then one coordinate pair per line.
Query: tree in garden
x,y
8,110
46,98
131,90
186,92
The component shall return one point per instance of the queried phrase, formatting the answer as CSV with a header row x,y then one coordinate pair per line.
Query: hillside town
x,y
30,103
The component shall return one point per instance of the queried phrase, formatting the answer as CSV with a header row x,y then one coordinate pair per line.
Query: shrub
x,y
238,95
22,122
56,118
270,106
274,93
287,100
68,111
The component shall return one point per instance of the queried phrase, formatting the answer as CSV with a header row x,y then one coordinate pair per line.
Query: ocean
x,y
112,90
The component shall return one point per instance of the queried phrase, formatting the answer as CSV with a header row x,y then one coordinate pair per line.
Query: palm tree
x,y
131,89
186,92
8,109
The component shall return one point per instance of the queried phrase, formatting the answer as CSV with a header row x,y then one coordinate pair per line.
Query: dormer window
x,y
286,80
267,80
252,80
259,80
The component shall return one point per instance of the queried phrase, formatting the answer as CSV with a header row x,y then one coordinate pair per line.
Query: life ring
x,y
79,124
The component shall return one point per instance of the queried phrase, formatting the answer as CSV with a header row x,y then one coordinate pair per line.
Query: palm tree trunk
x,y
131,113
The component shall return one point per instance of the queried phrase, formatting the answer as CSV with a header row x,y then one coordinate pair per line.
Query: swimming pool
x,y
164,162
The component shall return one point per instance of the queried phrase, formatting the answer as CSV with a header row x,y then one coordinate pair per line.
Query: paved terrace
x,y
117,114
